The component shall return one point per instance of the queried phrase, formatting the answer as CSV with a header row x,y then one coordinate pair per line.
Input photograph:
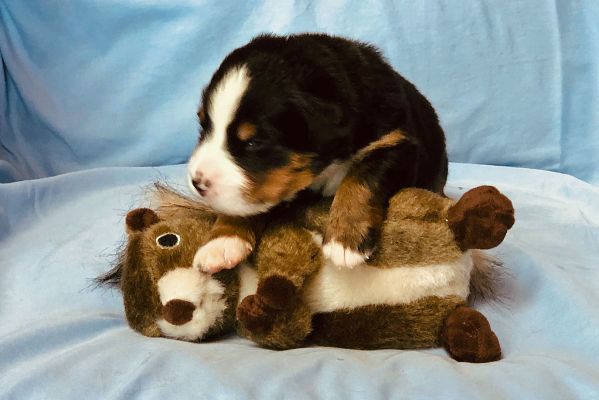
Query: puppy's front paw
x,y
221,253
342,256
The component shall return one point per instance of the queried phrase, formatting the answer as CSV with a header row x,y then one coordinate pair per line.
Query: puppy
x,y
286,114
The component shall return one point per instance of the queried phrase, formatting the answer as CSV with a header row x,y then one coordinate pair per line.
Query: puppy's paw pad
x,y
221,253
342,256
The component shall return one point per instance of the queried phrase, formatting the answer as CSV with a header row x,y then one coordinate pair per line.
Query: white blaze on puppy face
x,y
212,159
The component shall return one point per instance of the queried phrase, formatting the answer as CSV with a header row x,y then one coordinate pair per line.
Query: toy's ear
x,y
139,219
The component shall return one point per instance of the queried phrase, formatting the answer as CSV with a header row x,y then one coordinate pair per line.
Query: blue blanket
x,y
97,100
60,338
92,83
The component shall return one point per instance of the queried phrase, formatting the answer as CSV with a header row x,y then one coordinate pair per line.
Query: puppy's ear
x,y
320,123
140,219
291,120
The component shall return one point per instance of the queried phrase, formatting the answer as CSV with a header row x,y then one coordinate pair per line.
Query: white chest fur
x,y
333,288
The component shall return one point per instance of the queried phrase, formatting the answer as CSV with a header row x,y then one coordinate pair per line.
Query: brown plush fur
x,y
287,255
289,329
287,250
144,263
416,232
407,326
142,305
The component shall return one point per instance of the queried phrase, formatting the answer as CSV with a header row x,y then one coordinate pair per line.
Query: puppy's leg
x,y
378,171
230,241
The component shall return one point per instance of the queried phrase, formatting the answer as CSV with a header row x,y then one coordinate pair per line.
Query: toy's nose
x,y
178,312
201,185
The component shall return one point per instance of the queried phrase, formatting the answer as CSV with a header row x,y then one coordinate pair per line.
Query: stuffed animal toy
x,y
412,293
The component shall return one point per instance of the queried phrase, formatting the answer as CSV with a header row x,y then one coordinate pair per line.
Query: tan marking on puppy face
x,y
281,183
246,131
388,140
353,213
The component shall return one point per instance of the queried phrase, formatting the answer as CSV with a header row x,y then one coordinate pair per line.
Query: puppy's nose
x,y
201,185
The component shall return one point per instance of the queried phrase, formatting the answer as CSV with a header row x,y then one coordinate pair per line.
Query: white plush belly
x,y
333,288
248,281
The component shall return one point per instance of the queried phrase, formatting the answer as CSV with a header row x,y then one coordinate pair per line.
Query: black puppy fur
x,y
329,97
314,100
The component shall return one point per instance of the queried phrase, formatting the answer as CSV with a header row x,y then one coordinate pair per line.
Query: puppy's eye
x,y
168,240
254,144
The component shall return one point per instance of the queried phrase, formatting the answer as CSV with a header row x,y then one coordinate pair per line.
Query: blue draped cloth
x,y
98,99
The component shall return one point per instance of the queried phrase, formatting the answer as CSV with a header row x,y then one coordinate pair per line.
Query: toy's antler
x,y
481,218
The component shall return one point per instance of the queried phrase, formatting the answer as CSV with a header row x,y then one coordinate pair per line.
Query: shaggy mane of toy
x,y
168,203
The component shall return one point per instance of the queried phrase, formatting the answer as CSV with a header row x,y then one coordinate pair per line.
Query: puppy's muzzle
x,y
201,185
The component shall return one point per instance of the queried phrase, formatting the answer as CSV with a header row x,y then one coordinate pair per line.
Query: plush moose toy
x,y
412,293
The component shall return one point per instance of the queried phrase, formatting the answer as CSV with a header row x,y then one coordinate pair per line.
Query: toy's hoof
x,y
255,315
467,336
277,292
178,312
481,218
221,253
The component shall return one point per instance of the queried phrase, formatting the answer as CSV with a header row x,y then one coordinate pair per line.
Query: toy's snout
x,y
192,303
178,312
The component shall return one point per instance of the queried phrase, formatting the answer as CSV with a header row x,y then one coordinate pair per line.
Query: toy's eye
x,y
167,240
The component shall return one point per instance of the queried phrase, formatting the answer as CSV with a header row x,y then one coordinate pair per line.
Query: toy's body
x,y
412,294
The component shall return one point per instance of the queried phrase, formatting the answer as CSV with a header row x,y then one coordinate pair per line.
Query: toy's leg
x,y
288,330
378,171
481,218
467,336
288,252
286,257
275,295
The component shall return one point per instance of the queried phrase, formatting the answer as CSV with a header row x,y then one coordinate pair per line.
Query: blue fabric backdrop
x,y
92,83
98,98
